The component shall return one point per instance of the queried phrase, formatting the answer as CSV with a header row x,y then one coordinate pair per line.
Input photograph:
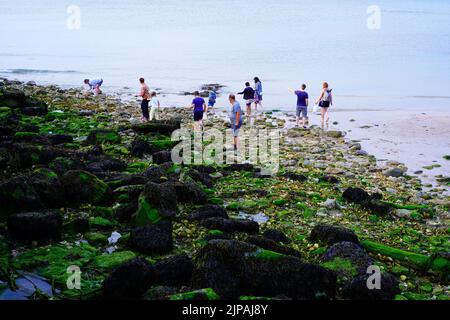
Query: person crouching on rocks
x,y
145,95
235,119
199,106
94,85
324,101
154,106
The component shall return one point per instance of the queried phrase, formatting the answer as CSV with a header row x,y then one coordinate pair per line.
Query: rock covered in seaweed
x,y
232,268
40,226
128,281
152,238
332,234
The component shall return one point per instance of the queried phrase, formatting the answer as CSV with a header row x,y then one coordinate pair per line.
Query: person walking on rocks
x,y
199,106
258,93
94,85
324,101
235,119
154,106
249,96
145,95
302,105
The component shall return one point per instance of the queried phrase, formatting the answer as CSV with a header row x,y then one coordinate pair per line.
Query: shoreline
x,y
381,131
111,166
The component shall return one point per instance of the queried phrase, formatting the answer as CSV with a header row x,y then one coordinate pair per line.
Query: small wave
x,y
36,71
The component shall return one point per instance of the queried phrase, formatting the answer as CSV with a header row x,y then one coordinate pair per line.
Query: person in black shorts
x,y
325,101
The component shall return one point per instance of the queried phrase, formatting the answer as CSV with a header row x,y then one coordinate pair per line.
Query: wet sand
x,y
417,139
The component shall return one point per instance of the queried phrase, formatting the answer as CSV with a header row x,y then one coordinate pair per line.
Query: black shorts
x,y
144,108
324,104
198,115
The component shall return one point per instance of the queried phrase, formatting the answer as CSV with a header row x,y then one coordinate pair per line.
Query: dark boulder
x,y
139,147
155,174
276,236
25,155
240,167
61,165
355,195
106,164
204,169
162,197
125,180
175,271
332,234
48,187
13,98
56,139
153,238
161,157
18,194
351,252
103,136
358,289
329,179
129,281
377,207
295,177
208,211
231,225
162,127
4,158
77,225
35,111
201,177
217,236
41,226
232,268
124,212
272,246
82,187
190,193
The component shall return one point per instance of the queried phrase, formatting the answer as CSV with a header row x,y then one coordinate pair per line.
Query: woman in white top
x,y
154,106
324,101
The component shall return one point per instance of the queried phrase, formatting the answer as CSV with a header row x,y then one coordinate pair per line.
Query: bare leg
x,y
298,121
322,115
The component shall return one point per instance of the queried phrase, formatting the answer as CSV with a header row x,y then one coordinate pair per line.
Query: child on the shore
x,y
324,101
199,106
211,102
249,95
302,105
154,106
145,95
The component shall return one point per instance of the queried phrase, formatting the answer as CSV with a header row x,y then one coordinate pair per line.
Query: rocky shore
x,y
88,193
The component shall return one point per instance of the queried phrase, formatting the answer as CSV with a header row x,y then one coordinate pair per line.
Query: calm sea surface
x,y
179,45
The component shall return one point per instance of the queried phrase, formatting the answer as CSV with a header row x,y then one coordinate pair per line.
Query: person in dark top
x,y
249,96
302,104
199,106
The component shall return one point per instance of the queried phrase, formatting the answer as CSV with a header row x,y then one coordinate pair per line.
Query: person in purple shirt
x,y
302,105
199,106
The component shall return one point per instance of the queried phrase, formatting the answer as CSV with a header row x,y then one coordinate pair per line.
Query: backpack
x,y
327,95
212,96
